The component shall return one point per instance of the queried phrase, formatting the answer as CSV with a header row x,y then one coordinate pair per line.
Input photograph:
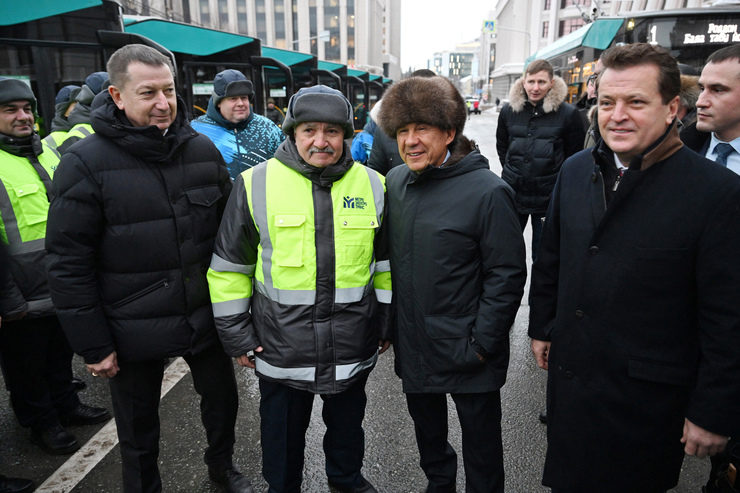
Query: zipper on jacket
x,y
164,283
616,183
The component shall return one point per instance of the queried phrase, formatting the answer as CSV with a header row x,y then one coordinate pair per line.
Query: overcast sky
x,y
428,26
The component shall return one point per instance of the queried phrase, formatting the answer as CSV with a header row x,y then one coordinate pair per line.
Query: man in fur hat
x,y
536,132
458,271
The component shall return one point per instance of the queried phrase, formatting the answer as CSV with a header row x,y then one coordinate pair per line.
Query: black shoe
x,y
78,385
85,415
543,417
365,487
15,485
230,480
54,440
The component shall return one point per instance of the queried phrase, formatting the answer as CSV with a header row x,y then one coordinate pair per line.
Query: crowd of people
x,y
131,235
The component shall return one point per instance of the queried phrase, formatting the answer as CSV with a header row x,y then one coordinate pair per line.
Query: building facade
x,y
523,28
362,34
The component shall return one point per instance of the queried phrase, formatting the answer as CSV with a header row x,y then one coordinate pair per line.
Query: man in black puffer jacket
x,y
130,234
536,132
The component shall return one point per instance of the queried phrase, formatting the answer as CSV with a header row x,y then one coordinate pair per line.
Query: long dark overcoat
x,y
641,302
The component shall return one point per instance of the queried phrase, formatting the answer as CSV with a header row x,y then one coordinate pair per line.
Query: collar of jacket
x,y
663,148
287,153
462,160
217,117
695,139
146,143
21,146
551,102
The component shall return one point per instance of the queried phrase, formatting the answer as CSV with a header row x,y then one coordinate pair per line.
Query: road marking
x,y
84,460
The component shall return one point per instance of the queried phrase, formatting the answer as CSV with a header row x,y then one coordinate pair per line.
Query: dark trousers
x,y
285,413
37,367
537,227
135,393
480,421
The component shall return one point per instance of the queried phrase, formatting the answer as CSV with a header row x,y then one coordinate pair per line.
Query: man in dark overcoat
x,y
457,246
634,294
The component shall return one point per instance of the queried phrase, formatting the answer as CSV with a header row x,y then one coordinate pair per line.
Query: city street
x,y
391,460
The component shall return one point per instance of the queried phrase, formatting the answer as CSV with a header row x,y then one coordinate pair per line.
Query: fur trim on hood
x,y
431,100
553,99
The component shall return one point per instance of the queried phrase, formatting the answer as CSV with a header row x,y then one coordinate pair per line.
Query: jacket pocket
x,y
203,212
33,208
287,248
660,372
355,239
204,196
449,345
163,284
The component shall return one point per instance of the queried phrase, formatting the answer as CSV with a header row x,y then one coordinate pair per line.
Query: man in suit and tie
x,y
716,134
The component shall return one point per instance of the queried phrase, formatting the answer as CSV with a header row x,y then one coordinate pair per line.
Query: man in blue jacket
x,y
244,138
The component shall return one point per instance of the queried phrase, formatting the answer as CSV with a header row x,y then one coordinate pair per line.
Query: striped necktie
x,y
723,150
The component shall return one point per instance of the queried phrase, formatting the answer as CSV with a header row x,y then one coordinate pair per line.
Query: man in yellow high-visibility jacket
x,y
35,355
300,275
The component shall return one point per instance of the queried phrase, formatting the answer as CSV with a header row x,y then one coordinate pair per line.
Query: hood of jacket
x,y
146,143
551,102
287,153
375,112
81,112
215,115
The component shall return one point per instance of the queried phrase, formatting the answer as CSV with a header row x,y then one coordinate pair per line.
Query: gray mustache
x,y
325,150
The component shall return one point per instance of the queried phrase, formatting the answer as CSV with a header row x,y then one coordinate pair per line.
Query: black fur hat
x,y
431,100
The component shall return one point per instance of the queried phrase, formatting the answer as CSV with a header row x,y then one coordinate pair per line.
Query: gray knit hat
x,y
319,104
16,90
230,83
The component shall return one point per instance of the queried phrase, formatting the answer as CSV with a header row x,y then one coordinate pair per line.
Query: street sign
x,y
489,27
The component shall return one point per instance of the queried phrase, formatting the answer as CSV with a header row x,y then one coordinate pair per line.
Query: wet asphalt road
x,y
391,460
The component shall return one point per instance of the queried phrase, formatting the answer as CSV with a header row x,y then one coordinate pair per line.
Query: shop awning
x,y
598,34
330,66
356,73
184,38
289,58
13,12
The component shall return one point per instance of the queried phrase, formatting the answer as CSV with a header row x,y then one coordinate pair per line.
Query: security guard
x,y
300,275
36,358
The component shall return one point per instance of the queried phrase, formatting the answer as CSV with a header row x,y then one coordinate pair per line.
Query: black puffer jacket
x,y
458,262
533,141
130,236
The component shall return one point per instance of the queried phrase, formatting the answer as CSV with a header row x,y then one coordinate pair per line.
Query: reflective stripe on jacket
x,y
313,321
24,206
